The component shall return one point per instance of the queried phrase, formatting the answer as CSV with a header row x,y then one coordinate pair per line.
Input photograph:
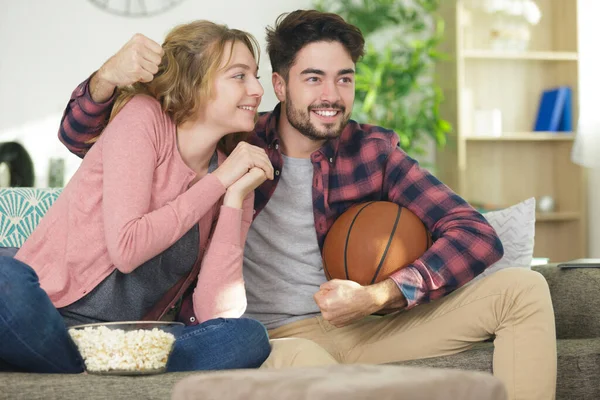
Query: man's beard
x,y
300,120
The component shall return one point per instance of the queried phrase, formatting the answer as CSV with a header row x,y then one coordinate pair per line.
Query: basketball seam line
x,y
348,238
388,245
428,239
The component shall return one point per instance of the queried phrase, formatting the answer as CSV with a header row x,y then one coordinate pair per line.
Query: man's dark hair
x,y
295,30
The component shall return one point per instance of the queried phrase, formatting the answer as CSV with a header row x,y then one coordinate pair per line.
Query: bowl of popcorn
x,y
126,348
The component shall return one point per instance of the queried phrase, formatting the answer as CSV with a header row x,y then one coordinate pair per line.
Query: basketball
x,y
372,240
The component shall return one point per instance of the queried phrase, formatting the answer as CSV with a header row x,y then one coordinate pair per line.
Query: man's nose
x,y
330,92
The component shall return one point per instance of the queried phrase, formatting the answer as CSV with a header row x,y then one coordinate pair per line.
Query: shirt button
x,y
277,146
277,172
192,319
254,212
331,159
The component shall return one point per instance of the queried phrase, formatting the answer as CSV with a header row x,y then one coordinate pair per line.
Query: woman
x,y
155,219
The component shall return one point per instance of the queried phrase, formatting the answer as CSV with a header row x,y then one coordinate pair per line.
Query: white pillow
x,y
515,226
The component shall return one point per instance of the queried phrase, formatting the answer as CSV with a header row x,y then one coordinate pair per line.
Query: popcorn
x,y
140,350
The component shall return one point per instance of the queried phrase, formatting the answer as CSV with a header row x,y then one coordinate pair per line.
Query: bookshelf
x,y
516,163
524,55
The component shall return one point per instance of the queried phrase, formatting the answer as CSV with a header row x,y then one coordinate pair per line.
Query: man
x,y
324,163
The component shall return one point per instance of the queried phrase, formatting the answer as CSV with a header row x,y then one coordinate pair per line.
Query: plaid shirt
x,y
363,164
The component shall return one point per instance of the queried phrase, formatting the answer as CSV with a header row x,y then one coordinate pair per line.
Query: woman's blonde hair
x,y
192,56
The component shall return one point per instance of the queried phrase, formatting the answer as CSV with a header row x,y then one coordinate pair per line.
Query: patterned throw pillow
x,y
21,209
515,226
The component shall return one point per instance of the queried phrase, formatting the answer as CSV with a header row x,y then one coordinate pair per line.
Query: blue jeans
x,y
34,337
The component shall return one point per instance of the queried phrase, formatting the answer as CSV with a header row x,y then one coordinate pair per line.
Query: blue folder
x,y
554,112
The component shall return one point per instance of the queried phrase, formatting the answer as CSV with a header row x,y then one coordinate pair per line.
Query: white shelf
x,y
517,55
524,136
557,216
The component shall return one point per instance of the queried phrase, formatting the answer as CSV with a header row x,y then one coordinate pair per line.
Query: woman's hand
x,y
236,193
239,163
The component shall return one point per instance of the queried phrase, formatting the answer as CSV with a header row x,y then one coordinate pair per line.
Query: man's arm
x,y
465,244
91,102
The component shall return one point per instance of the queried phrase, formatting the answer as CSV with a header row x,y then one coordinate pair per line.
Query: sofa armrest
x,y
576,300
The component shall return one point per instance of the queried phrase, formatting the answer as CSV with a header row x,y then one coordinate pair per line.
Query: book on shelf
x,y
554,111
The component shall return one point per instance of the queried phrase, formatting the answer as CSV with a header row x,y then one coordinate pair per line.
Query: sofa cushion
x,y
347,382
515,227
479,358
578,371
578,366
90,387
21,209
575,299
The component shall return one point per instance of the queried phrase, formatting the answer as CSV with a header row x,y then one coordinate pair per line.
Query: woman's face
x,y
236,91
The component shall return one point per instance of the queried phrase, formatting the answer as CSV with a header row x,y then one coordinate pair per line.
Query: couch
x,y
575,297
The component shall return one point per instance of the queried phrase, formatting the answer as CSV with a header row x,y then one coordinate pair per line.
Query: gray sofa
x,y
576,300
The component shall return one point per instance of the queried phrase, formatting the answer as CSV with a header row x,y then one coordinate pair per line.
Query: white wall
x,y
589,32
48,47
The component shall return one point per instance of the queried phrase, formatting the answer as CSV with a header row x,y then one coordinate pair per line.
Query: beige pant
x,y
512,304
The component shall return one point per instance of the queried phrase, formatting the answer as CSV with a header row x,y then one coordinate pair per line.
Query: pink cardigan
x,y
129,201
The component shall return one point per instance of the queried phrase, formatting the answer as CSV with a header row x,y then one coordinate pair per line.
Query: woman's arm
x,y
131,151
220,291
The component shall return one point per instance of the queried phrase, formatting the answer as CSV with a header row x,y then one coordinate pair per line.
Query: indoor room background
x,y
48,47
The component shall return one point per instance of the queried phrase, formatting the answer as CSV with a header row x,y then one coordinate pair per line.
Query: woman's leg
x,y
6,367
33,336
220,343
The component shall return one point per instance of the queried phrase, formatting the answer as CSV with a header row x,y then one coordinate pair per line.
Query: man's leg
x,y
296,352
512,304
33,335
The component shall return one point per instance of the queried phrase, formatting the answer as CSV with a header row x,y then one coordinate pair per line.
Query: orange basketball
x,y
371,240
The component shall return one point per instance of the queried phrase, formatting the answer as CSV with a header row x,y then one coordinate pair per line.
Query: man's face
x,y
319,92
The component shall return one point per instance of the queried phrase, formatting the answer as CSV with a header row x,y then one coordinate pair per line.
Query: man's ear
x,y
278,86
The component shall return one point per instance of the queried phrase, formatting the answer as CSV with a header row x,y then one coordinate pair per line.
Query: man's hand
x,y
343,302
137,61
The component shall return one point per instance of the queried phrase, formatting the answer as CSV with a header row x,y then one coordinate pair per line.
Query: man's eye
x,y
313,79
346,80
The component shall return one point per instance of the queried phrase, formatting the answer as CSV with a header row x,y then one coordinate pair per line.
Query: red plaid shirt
x,y
363,164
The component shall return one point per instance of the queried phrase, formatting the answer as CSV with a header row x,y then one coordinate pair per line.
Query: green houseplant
x,y
394,80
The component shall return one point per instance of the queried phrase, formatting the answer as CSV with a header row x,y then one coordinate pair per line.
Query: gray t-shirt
x,y
283,267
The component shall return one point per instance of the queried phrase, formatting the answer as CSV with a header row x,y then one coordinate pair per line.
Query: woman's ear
x,y
278,86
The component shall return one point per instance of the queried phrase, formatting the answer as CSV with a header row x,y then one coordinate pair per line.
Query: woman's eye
x,y
240,76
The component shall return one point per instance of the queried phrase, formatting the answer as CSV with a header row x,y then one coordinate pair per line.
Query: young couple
x,y
156,182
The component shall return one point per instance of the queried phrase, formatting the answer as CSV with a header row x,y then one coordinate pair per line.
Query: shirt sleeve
x,y
83,119
220,292
130,154
465,244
